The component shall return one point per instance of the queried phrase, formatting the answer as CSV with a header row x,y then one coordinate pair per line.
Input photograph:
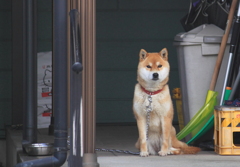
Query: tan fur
x,y
161,134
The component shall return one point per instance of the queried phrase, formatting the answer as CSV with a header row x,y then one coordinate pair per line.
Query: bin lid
x,y
206,33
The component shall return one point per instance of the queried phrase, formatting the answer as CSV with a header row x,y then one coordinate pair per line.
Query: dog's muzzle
x,y
155,76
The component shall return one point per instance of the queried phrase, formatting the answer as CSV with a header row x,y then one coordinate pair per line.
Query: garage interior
x,y
123,27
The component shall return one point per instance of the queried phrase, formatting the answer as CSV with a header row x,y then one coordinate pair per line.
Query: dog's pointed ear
x,y
142,54
164,54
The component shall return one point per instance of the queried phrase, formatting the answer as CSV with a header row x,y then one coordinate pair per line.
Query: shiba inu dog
x,y
153,109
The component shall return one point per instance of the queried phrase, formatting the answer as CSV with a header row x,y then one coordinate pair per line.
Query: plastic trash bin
x,y
197,51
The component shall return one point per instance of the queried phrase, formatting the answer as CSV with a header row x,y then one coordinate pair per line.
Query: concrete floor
x,y
203,159
124,138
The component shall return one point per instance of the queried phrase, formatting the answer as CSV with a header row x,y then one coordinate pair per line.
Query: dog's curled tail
x,y
190,150
185,149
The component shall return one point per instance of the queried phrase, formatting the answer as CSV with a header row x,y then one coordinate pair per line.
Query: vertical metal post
x,y
233,44
59,90
89,74
60,94
88,26
30,57
76,148
87,10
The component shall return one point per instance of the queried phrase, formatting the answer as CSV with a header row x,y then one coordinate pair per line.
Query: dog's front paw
x,y
163,153
144,154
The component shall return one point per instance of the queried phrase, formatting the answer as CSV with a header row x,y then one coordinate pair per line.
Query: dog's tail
x,y
185,149
190,149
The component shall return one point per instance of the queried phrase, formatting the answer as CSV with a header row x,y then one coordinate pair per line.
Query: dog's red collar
x,y
151,93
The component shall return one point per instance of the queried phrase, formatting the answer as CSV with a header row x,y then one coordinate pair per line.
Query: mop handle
x,y
234,38
235,34
235,86
223,45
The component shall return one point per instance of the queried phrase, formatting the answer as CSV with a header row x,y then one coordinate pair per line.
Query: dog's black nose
x,y
155,75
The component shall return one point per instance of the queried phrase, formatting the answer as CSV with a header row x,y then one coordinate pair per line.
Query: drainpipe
x,y
59,90
30,69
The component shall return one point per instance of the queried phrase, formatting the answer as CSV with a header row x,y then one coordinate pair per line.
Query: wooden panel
x,y
114,111
44,25
123,28
107,4
5,85
5,24
154,5
137,25
114,54
5,65
115,95
5,55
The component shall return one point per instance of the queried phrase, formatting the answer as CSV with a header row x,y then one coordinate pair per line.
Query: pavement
x,y
202,159
124,138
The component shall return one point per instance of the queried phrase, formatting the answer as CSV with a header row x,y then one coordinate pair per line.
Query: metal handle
x,y
76,50
235,34
234,40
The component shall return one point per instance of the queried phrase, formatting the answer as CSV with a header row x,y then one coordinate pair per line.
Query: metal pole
x,y
60,94
30,113
76,147
235,35
59,90
88,31
87,10
89,87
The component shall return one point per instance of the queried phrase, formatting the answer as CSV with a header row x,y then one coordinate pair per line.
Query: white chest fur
x,y
161,102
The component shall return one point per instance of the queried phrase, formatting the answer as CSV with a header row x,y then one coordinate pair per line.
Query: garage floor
x,y
124,138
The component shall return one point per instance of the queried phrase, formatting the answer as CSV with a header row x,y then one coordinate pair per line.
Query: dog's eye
x,y
148,66
159,66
